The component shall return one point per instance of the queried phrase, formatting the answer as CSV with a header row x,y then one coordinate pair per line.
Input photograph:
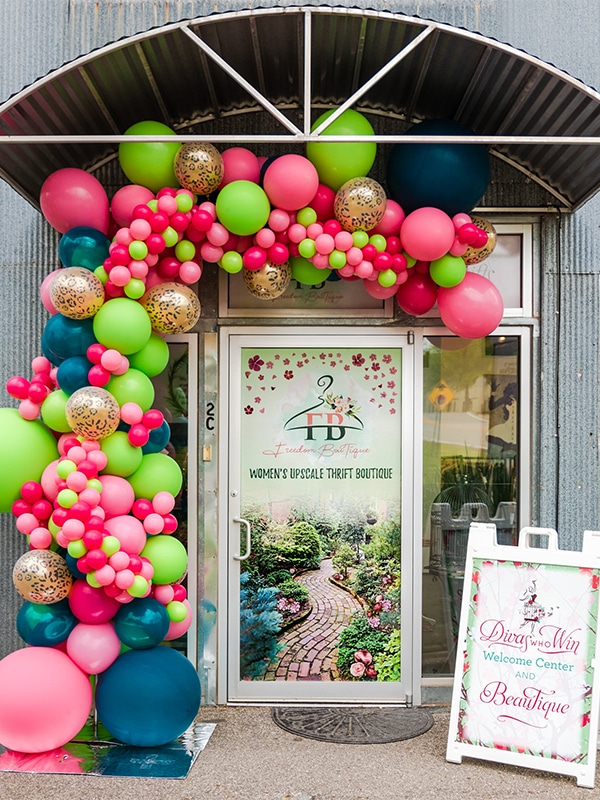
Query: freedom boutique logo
x,y
330,418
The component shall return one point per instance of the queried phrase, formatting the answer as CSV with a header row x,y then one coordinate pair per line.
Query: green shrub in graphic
x,y
387,662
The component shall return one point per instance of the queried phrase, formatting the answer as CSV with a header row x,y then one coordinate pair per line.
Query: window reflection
x,y
470,458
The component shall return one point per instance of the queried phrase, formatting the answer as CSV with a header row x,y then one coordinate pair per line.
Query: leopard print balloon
x,y
473,256
42,576
92,412
172,307
199,167
268,282
76,293
359,204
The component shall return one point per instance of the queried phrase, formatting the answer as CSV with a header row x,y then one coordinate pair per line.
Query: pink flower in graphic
x,y
358,360
288,374
386,358
357,670
255,363
248,410
286,361
393,370
257,400
374,622
269,365
375,366
373,357
391,384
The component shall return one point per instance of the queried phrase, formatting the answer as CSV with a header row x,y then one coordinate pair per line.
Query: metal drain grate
x,y
354,725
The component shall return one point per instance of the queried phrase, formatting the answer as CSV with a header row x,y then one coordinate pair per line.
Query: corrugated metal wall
x,y
39,36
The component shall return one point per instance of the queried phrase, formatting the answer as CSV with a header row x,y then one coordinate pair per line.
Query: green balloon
x,y
26,449
123,458
53,411
132,386
232,262
243,207
149,164
448,270
122,324
157,472
337,162
306,273
168,557
153,358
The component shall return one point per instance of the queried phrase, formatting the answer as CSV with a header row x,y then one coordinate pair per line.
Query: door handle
x,y
248,539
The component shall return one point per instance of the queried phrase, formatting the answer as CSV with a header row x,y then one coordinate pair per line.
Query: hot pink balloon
x,y
427,233
323,202
125,200
129,531
71,197
177,629
392,220
417,295
93,647
90,604
291,182
117,495
240,165
45,292
473,308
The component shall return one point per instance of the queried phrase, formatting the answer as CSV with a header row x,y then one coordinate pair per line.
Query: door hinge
x,y
409,699
410,337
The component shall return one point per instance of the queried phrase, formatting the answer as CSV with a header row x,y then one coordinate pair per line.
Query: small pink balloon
x,y
265,237
119,560
129,531
190,272
163,502
211,253
240,164
90,496
177,629
217,234
120,276
460,219
125,200
364,270
49,481
153,524
131,413
427,233
320,261
124,579
279,220
164,593
458,248
28,409
105,575
40,538
72,197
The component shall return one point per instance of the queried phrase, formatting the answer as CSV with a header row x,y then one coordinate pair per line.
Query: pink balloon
x,y
375,289
177,629
49,480
417,295
93,647
117,495
473,308
90,604
240,165
71,197
323,202
45,292
393,217
45,699
129,531
291,182
427,233
125,200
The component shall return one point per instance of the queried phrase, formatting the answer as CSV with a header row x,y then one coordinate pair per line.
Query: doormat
x,y
115,760
354,725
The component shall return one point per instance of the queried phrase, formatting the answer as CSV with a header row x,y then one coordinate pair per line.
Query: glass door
x,y
319,516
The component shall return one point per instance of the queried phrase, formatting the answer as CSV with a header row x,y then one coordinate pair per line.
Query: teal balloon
x,y
64,338
83,247
26,449
72,374
45,625
158,439
143,623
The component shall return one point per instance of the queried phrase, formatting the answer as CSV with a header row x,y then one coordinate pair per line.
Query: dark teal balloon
x,y
43,625
72,565
143,623
158,439
148,698
72,374
83,247
64,338
452,177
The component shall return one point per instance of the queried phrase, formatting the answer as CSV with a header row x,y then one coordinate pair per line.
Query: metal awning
x,y
262,76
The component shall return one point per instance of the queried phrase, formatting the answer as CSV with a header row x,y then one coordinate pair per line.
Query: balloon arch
x,y
87,477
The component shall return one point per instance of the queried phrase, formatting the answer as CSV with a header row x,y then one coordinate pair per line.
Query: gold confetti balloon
x,y
268,282
172,307
92,412
76,292
199,167
359,204
42,576
473,256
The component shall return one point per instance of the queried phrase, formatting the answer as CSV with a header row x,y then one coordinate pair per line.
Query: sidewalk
x,y
250,758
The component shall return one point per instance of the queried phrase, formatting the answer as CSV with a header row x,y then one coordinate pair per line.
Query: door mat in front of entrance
x,y
354,725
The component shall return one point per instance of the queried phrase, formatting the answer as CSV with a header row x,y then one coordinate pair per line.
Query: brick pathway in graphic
x,y
310,647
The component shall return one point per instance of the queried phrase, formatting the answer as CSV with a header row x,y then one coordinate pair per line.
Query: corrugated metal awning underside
x,y
262,76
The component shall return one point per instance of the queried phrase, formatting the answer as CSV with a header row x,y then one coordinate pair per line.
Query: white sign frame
x,y
524,688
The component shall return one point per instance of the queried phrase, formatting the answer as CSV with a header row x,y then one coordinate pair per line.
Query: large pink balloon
x,y
417,295
93,647
45,699
291,182
472,309
117,495
427,233
71,197
125,200
129,531
240,164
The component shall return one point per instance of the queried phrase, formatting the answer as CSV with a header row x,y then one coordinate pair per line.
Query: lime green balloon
x,y
153,358
243,207
123,459
360,238
76,549
168,557
53,411
232,262
26,449
337,259
156,473
448,270
132,386
122,324
176,610
306,273
135,288
138,250
378,241
307,248
337,162
139,587
387,277
306,216
149,164
170,236
185,250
